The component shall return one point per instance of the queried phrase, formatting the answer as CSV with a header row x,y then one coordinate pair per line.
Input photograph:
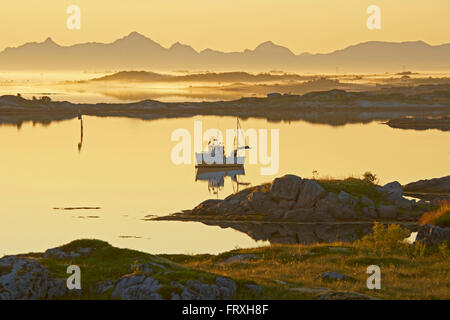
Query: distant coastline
x,y
334,107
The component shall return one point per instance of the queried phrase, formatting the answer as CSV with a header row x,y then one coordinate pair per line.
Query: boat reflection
x,y
80,144
215,177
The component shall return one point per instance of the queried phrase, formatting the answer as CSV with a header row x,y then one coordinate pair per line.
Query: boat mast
x,y
237,134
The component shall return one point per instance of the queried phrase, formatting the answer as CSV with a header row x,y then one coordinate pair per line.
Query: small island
x,y
293,199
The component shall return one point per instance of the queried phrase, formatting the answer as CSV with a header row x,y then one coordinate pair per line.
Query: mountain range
x,y
136,51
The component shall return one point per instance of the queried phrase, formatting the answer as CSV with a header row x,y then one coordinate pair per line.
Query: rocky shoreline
x,y
429,189
417,123
293,199
135,276
327,218
335,107
112,273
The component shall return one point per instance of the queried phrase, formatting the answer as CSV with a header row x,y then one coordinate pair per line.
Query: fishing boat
x,y
215,157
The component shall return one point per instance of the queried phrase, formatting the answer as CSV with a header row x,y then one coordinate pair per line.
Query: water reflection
x,y
215,177
80,144
126,170
302,233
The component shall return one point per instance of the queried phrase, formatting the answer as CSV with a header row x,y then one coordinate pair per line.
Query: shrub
x,y
353,186
370,177
46,99
384,239
439,217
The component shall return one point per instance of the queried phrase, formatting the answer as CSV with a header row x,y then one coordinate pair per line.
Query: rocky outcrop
x,y
137,287
433,235
333,276
222,289
291,198
419,123
328,294
59,254
432,186
286,188
23,278
344,295
240,258
146,278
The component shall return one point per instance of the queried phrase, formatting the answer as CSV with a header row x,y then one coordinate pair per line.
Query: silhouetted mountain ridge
x,y
136,51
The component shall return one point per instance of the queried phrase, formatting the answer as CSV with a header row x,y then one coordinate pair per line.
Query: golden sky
x,y
227,25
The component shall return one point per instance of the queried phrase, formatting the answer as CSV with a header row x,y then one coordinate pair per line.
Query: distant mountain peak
x,y
49,41
144,53
135,37
269,46
182,48
179,45
266,44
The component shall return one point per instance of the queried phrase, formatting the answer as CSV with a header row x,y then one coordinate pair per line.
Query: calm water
x,y
125,168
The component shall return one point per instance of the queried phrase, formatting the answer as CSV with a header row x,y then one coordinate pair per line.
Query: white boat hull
x,y
206,161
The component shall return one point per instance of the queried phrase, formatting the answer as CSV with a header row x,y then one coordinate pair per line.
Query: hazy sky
x,y
227,25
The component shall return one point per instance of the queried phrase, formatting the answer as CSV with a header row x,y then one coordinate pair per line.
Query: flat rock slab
x,y
344,295
311,290
331,275
240,258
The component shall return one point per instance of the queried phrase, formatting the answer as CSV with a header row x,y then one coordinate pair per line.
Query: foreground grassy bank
x,y
291,271
272,272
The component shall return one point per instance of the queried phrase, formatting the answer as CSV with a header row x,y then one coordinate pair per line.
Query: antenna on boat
x,y
237,134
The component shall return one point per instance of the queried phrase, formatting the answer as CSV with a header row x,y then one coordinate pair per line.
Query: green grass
x,y
110,263
444,220
5,270
408,272
353,186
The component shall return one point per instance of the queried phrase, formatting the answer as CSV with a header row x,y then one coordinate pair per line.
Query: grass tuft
x,y
439,217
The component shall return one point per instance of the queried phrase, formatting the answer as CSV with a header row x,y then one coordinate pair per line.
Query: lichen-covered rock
x,y
433,235
331,275
392,190
366,202
207,207
240,258
306,215
369,212
328,203
137,287
27,279
300,215
304,200
103,287
347,199
227,287
60,254
254,289
344,295
387,212
286,188
310,193
261,202
222,289
436,185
